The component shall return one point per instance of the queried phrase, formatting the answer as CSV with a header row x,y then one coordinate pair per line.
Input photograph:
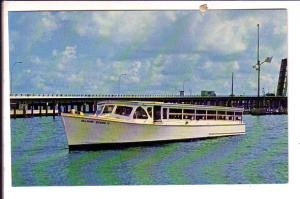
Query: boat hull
x,y
90,131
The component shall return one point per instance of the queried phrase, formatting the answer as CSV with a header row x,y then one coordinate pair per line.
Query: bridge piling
x,y
32,108
59,109
15,111
40,109
53,109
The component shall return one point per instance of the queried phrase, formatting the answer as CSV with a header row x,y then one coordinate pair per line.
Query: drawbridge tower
x,y
282,79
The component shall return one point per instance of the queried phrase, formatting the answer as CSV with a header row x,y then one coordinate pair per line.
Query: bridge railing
x,y
96,95
43,95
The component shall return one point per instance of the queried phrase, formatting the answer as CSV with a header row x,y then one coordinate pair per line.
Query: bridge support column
x,y
59,109
84,106
24,110
53,110
66,108
32,109
95,106
40,108
15,112
78,107
90,107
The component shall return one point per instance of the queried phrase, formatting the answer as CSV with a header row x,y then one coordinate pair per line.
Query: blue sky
x,y
86,51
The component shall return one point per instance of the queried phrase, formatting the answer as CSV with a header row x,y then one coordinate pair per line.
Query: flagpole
x,y
258,63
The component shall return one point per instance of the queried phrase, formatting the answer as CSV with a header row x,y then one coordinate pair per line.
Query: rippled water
x,y
40,157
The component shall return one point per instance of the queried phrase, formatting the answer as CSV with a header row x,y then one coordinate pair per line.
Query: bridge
x,y
28,105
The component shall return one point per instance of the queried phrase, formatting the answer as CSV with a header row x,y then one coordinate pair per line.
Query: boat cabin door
x,y
157,113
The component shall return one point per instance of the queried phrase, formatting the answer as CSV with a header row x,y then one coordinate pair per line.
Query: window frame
x,y
134,114
107,105
122,106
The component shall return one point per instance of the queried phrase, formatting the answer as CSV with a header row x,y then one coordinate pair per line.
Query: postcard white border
x,y
199,191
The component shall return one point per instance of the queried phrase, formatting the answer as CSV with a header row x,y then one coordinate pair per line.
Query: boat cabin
x,y
158,111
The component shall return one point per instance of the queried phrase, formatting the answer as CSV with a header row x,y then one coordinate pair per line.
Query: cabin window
x,y
174,116
200,117
123,110
99,110
140,113
201,112
221,112
188,117
221,115
175,113
157,115
189,111
211,112
149,110
165,113
173,110
108,109
229,117
189,114
211,115
238,113
230,113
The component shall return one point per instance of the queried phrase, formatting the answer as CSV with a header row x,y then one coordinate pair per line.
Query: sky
x,y
86,52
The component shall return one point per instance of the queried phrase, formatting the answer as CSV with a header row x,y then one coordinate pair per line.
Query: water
x,y
40,157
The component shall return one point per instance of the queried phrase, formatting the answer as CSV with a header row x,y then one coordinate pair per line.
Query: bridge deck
x,y
33,105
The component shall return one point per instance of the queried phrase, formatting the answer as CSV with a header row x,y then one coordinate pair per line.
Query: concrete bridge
x,y
27,105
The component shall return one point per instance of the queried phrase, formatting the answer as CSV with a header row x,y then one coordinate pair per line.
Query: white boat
x,y
132,122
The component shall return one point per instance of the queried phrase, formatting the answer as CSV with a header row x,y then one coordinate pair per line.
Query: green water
x,y
40,157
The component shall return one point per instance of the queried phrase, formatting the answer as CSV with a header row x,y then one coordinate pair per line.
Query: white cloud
x,y
67,56
220,33
225,37
134,71
227,34
49,22
235,66
35,60
158,50
121,26
69,53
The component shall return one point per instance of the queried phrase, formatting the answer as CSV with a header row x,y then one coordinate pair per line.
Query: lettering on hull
x,y
92,121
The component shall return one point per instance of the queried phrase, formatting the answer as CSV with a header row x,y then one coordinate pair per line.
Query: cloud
x,y
158,50
118,27
35,60
49,22
32,29
66,57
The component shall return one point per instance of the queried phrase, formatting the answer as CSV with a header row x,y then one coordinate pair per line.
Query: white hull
x,y
88,130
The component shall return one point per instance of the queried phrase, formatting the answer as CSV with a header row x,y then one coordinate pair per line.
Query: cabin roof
x,y
171,105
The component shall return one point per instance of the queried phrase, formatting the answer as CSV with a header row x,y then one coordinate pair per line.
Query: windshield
x,y
99,109
108,109
123,110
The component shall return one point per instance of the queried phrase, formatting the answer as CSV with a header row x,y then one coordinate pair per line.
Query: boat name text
x,y
92,121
